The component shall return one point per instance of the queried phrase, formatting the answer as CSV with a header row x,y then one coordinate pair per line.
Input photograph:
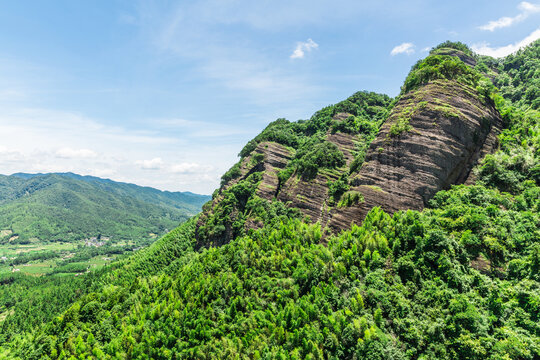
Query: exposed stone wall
x,y
433,138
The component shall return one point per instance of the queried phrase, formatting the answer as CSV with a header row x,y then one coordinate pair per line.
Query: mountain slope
x,y
345,160
186,200
458,279
51,207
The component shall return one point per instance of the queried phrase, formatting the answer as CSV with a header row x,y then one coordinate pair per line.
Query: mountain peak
x,y
366,151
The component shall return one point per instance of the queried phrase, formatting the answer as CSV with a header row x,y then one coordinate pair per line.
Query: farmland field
x,y
39,259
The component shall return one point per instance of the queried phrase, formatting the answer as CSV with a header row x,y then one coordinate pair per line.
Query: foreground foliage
x,y
458,280
397,287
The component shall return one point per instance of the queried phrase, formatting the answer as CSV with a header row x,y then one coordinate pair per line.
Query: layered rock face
x,y
268,158
311,196
431,140
448,130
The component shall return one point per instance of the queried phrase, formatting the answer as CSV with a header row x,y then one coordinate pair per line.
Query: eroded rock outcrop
x,y
311,195
448,128
267,159
432,139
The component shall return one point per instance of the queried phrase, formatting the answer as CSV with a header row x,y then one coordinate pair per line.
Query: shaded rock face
x,y
448,134
432,139
311,196
273,157
276,157
450,130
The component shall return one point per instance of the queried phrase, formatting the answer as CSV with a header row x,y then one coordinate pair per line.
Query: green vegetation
x,y
360,115
436,67
227,217
68,207
336,189
458,280
232,173
28,301
399,286
519,159
351,198
46,219
456,45
285,174
400,126
519,77
364,113
322,155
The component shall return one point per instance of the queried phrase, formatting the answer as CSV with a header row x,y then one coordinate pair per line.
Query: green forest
x,y
458,280
58,229
69,207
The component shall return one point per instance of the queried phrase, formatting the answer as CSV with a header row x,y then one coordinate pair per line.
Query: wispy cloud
x,y
69,153
199,129
185,168
246,69
189,168
506,21
486,49
258,81
61,141
82,128
303,47
278,14
405,48
219,60
152,164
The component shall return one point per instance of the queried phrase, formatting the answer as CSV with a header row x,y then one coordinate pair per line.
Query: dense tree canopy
x,y
458,280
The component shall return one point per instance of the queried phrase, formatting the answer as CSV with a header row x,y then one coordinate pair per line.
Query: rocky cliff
x,y
392,154
449,130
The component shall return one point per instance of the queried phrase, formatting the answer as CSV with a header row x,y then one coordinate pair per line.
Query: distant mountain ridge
x,y
68,206
176,195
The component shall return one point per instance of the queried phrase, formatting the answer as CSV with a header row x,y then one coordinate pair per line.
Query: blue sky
x,y
165,93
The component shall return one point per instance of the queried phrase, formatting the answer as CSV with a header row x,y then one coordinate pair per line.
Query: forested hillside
x,y
57,230
67,207
263,274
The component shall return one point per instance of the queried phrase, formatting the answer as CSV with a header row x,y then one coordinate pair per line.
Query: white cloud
x,y
5,151
251,71
497,52
152,164
302,48
258,80
189,168
506,21
62,124
47,140
405,48
69,153
528,7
